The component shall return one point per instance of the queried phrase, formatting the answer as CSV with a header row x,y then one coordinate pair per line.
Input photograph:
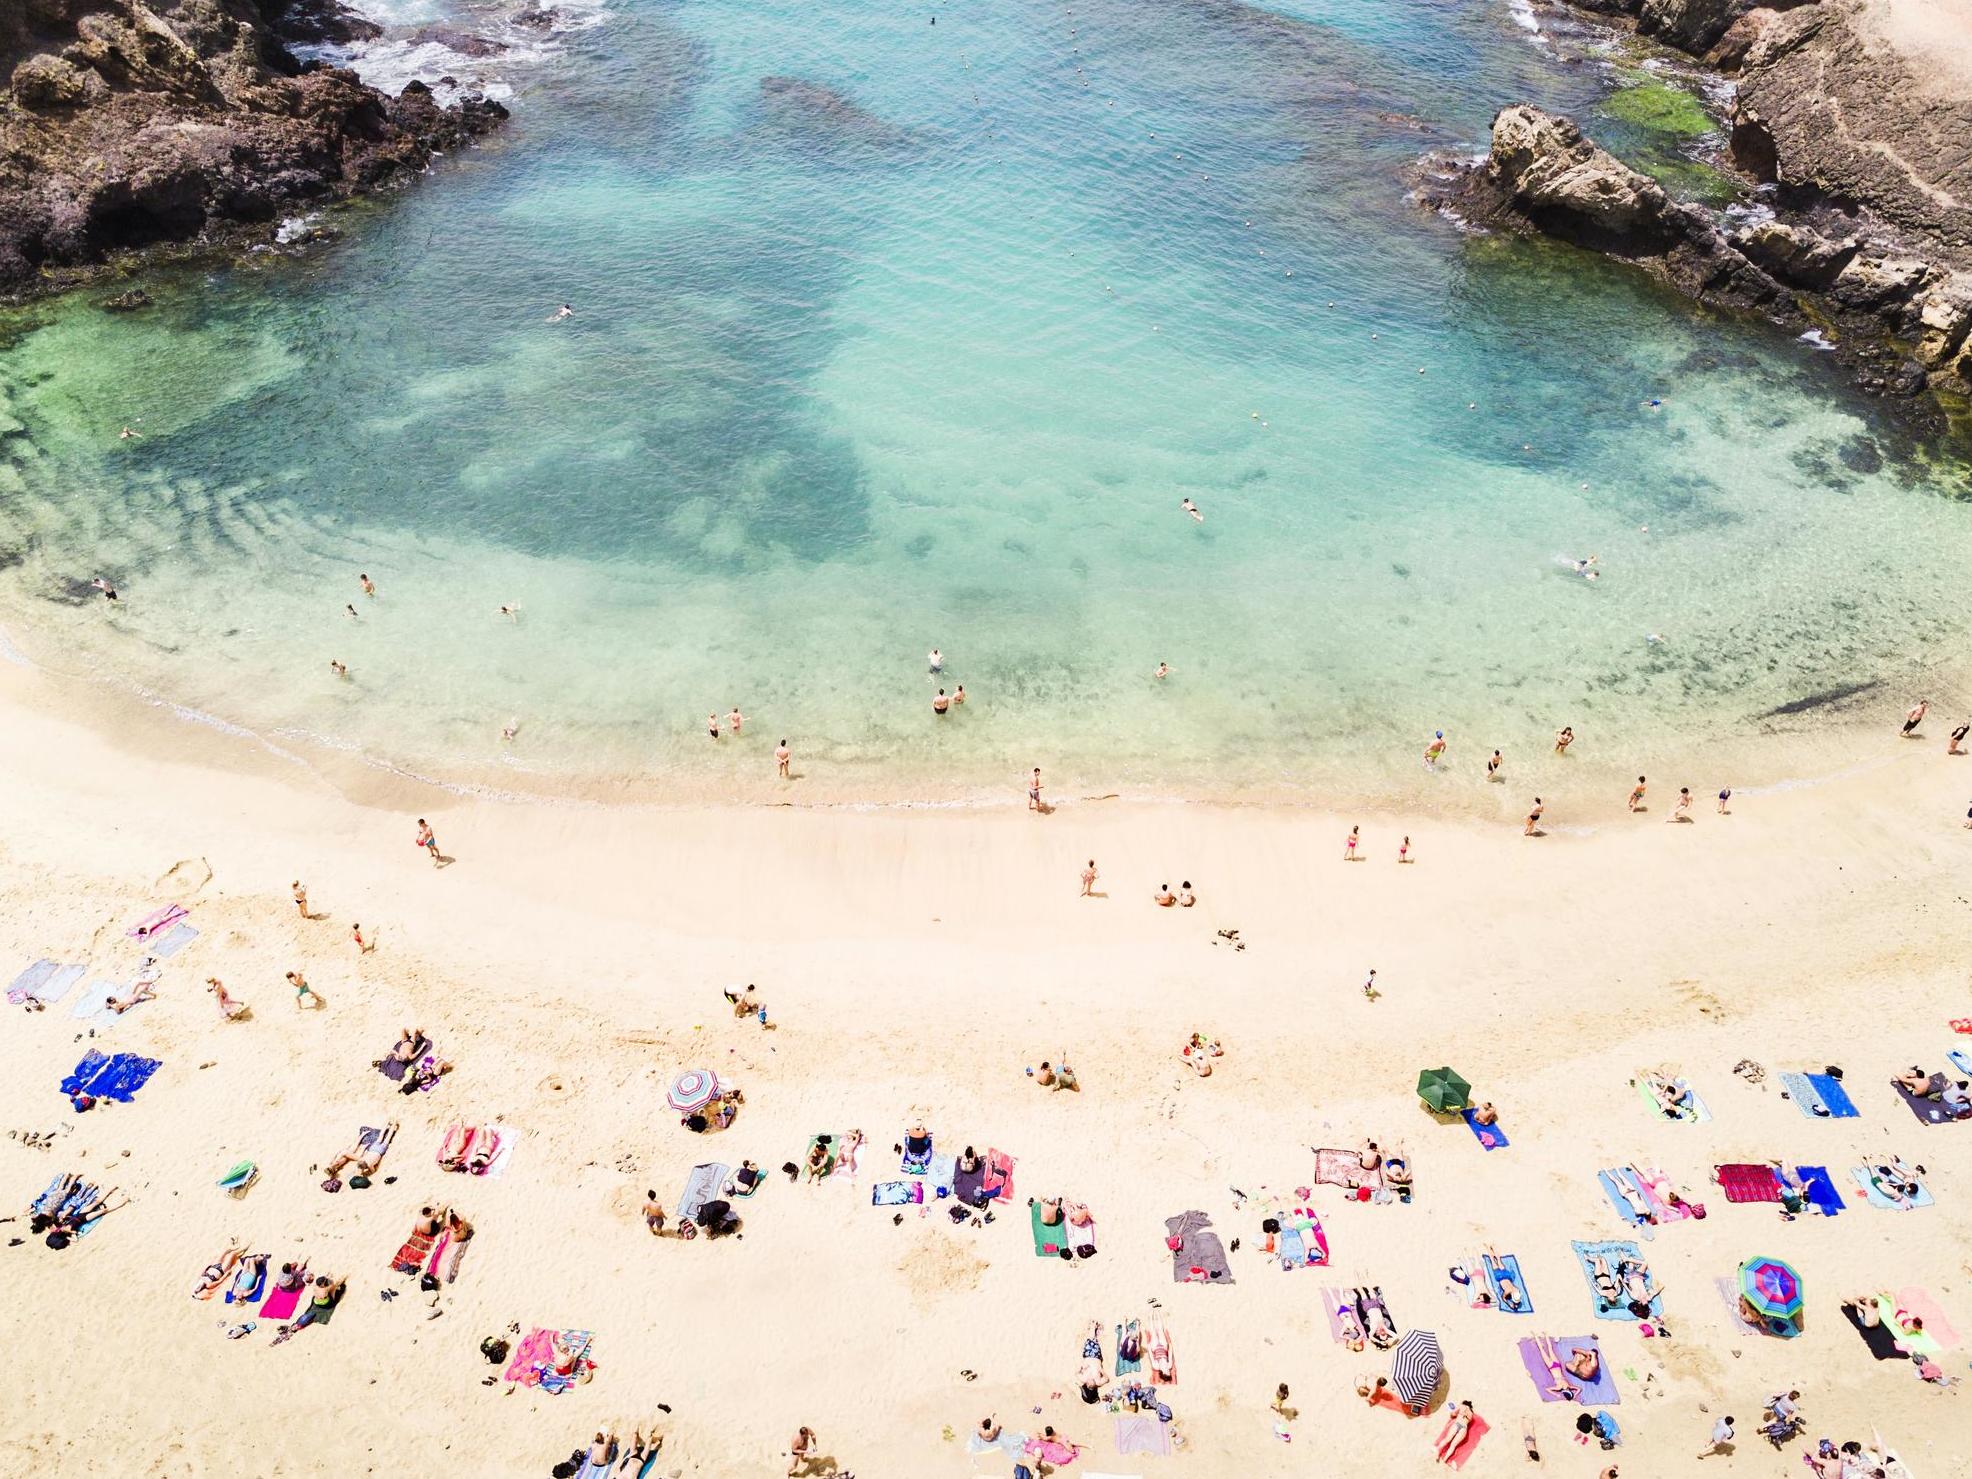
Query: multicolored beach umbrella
x,y
1773,1289
693,1090
1415,1367
1443,1090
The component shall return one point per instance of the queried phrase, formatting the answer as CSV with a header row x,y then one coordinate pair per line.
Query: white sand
x,y
570,963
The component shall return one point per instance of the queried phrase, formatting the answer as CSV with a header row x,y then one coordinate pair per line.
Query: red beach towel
x,y
1746,1183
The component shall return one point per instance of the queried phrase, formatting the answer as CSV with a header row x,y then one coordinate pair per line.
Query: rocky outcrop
x,y
1903,319
126,124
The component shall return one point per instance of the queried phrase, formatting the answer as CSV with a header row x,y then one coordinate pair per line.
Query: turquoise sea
x,y
892,335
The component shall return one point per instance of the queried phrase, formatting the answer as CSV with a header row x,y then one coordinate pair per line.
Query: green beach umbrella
x,y
1443,1089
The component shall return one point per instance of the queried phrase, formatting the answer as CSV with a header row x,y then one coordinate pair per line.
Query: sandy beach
x,y
913,963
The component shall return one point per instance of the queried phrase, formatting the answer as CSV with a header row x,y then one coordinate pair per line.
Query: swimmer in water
x,y
510,611
369,586
349,611
561,313
1163,670
341,669
1191,508
512,729
108,590
936,659
126,434
1493,767
1433,750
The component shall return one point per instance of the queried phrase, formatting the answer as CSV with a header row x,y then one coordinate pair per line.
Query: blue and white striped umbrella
x,y
1415,1367
693,1090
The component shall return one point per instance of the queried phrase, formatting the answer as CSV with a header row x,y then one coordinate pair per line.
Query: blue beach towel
x,y
109,1078
896,1193
706,1179
1960,1059
1877,1199
1607,1181
1804,1096
1492,1137
1613,1253
1510,1267
1834,1097
1602,1391
1822,1195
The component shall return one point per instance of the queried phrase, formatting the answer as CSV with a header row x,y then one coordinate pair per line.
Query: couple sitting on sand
x,y
1197,1055
1183,899
1955,1096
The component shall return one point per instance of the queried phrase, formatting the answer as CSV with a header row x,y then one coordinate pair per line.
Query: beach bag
x,y
1021,1471
494,1350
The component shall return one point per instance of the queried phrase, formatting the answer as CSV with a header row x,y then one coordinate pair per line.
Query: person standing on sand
x,y
229,1006
369,586
302,989
734,720
1682,811
1089,880
1725,795
801,1450
1916,717
1564,738
1404,851
1721,1439
1034,790
1636,795
1369,985
781,755
1350,843
1534,817
1493,766
1433,750
428,840
300,891
1957,739
356,934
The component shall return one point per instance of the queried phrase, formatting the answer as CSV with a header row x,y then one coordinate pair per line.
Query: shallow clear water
x,y
930,359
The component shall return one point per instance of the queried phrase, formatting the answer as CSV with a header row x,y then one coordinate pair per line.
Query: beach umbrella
x,y
1443,1090
1773,1289
693,1090
1415,1367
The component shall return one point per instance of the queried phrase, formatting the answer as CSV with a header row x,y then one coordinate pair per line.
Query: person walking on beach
x,y
1564,738
1034,790
108,590
781,754
428,840
1369,985
1349,844
300,892
369,585
1916,717
229,1005
1682,811
1534,817
1493,767
363,947
1089,880
801,1450
1721,1439
302,990
1952,745
1636,795
1433,750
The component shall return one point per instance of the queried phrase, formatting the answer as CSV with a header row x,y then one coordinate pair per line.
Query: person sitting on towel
x,y
917,1142
1485,1114
1585,1364
1369,1155
1920,1083
969,1164
716,1219
1957,1099
1050,1211
747,1177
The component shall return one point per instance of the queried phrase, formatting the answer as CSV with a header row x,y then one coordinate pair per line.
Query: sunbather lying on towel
x,y
1898,1181
1512,1299
1673,1094
217,1273
1376,1318
1350,1323
328,1293
410,1043
1198,1054
1639,1208
469,1149
1918,1082
69,1221
1397,1170
365,1158
140,992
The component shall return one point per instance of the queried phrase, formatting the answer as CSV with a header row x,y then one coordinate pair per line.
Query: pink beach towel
x,y
1658,1187
282,1303
998,1179
1915,1301
156,923
1469,1444
539,1346
1748,1183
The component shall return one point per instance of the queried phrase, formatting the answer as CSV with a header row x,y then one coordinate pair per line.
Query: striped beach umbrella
x,y
1415,1367
1773,1289
693,1089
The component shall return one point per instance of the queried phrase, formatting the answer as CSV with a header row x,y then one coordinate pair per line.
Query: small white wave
x,y
1755,213
293,228
1815,339
1523,15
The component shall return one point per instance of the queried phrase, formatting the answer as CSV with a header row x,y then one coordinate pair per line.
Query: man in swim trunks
x,y
1916,716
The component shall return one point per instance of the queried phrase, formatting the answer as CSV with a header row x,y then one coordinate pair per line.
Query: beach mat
x,y
969,1187
1343,1168
94,1000
58,985
1822,1195
156,922
1797,1088
917,1165
1468,1445
1492,1137
942,1175
282,1303
998,1181
1048,1241
1143,1433
1607,1180
1333,1301
1697,1114
30,980
115,1078
1744,1182
897,1194
1835,1099
1199,1257
1601,1392
1657,1186
171,941
1613,1253
1510,1266
1876,1198
1303,1246
1936,1326
1013,1444
702,1186
1930,1111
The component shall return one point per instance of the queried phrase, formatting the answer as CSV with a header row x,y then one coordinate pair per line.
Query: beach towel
x,y
1160,1357
156,922
1821,1192
1694,1114
1602,1391
1508,1267
1876,1197
249,1283
702,1186
1334,1301
30,980
1957,1057
940,1177
1198,1256
1609,1180
1930,1111
1129,1347
1834,1098
1048,1241
1490,1136
1744,1182
1544,1380
394,1068
896,1193
1880,1338
1468,1444
282,1303
917,1165
533,1362
1913,1300
1008,1443
1143,1433
109,1078
1657,1186
1344,1168
1797,1088
1051,1451
1614,1254
411,1257
998,1181
94,1000
969,1187
1303,1246
172,941
506,1138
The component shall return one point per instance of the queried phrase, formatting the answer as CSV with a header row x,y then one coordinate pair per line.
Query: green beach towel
x,y
1048,1241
